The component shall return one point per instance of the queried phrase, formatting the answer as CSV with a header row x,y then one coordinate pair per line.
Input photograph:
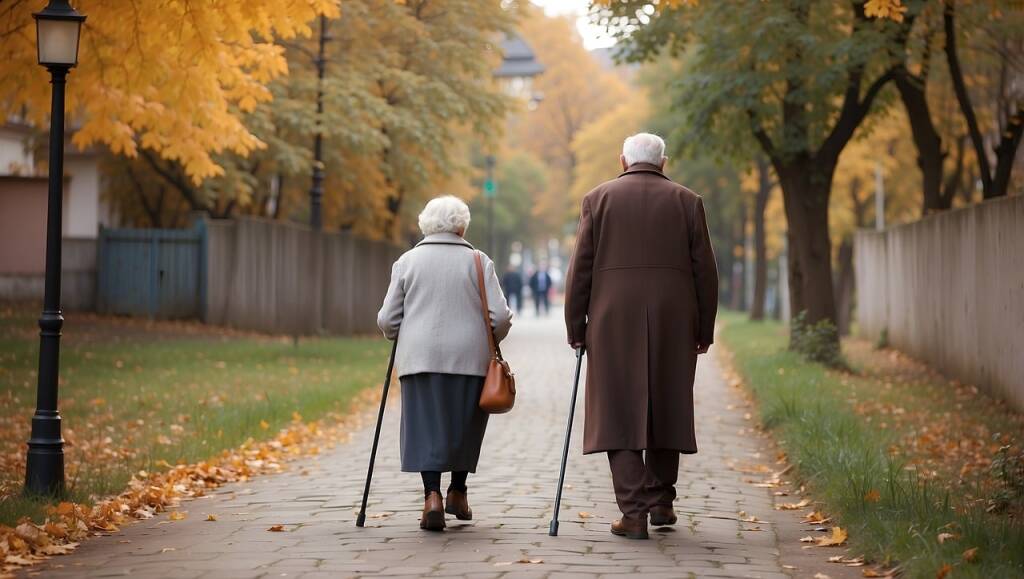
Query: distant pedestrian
x,y
434,303
540,288
641,296
512,283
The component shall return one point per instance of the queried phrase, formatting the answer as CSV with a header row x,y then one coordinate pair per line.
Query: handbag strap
x,y
485,308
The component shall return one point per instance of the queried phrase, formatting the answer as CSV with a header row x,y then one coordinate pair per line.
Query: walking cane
x,y
361,519
553,529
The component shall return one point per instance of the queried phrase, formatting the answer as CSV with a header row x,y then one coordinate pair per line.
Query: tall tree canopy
x,y
171,77
798,77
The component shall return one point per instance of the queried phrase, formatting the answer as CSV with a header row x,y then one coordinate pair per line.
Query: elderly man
x,y
641,296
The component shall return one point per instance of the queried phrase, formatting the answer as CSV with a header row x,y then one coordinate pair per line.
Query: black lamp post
x,y
316,190
57,31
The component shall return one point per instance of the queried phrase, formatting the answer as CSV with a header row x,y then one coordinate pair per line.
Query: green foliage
x,y
841,458
883,339
816,342
1007,470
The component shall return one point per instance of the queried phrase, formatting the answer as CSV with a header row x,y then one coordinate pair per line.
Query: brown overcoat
x,y
641,292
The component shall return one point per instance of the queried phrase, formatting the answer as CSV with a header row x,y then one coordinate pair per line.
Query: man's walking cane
x,y
361,519
553,529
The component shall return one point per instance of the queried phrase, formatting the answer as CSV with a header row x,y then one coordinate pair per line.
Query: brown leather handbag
x,y
499,393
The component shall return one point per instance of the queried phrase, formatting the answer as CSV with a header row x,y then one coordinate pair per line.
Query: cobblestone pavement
x,y
511,497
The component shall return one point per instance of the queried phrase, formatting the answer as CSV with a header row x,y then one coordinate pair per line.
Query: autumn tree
x,y
576,90
407,90
798,77
174,81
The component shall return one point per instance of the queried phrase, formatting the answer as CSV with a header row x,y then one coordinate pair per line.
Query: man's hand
x,y
702,348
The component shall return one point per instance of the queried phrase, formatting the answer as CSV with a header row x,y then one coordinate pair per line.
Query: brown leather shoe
x,y
433,513
457,504
630,528
663,515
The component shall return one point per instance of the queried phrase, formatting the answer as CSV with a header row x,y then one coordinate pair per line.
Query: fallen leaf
x,y
531,561
873,496
838,537
177,516
836,559
943,537
167,549
276,529
585,515
793,506
264,424
944,571
816,518
211,517
821,576
807,539
971,555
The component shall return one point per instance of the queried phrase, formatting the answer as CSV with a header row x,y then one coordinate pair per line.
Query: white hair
x,y
445,214
643,148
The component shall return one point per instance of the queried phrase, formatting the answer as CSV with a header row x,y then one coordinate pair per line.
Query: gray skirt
x,y
442,424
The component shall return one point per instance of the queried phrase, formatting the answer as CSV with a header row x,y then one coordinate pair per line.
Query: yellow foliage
x,y
576,91
598,145
173,77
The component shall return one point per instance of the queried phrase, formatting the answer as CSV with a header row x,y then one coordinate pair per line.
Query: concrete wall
x,y
78,278
22,225
15,156
949,290
82,204
284,278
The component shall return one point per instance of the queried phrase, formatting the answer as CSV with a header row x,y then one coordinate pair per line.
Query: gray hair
x,y
445,214
643,148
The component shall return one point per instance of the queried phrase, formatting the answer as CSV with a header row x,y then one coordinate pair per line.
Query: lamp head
x,y
58,27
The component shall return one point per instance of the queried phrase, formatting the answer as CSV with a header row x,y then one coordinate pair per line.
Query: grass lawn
x,y
135,394
900,456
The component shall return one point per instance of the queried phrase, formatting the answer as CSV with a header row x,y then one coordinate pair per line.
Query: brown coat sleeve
x,y
579,277
705,275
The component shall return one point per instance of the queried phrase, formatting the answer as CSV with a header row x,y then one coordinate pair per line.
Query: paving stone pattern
x,y
511,496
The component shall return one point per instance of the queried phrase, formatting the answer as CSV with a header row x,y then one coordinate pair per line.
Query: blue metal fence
x,y
160,273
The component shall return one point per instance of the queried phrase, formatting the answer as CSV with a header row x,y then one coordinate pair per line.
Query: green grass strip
x,y
842,458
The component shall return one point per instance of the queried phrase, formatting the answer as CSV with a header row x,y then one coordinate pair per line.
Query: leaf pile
x,y
148,493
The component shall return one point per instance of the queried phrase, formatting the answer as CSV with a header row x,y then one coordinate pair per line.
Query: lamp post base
x,y
44,468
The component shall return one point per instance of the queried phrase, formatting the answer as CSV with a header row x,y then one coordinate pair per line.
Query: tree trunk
x,y
764,189
806,187
926,138
845,282
739,264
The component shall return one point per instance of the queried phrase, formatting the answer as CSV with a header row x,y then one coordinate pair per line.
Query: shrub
x,y
816,342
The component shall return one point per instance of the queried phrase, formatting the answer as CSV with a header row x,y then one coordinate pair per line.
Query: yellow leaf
x,y
873,496
264,424
971,555
211,517
838,537
943,537
177,516
585,515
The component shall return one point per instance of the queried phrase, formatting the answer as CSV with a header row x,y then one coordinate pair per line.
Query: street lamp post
x,y
57,30
316,190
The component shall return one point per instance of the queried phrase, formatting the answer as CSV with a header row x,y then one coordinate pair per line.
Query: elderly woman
x,y
433,309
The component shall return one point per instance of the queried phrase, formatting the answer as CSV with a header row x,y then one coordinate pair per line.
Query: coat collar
x,y
444,239
643,168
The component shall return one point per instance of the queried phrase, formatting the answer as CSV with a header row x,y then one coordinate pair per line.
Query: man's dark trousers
x,y
640,486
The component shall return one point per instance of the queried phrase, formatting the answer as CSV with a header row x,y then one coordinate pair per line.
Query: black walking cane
x,y
361,519
553,529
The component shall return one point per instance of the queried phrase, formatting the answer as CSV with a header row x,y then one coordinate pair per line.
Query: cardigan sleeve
x,y
389,318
